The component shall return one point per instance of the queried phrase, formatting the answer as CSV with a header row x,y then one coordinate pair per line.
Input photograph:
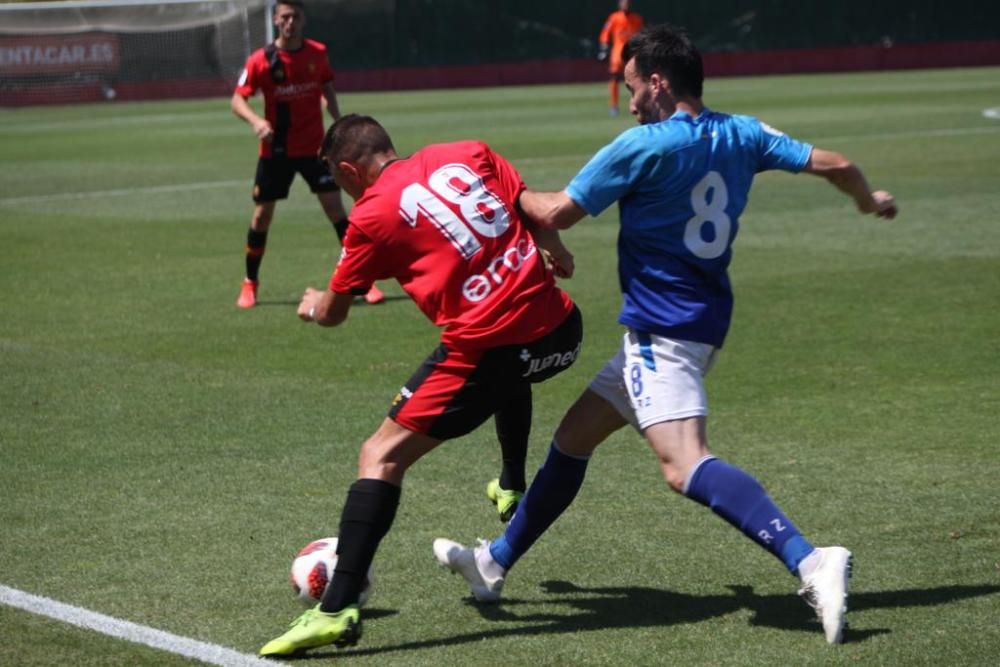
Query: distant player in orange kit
x,y
618,29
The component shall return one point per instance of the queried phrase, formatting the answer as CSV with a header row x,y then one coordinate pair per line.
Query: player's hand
x,y
561,262
263,130
602,53
885,205
307,306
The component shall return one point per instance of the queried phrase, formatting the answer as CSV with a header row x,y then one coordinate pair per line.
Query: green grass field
x,y
163,455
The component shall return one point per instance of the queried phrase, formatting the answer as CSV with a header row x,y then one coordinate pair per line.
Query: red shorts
x,y
454,391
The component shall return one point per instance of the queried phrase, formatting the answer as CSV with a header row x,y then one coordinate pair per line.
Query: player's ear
x,y
348,169
659,83
349,177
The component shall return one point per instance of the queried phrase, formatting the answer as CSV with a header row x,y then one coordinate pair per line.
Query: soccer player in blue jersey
x,y
681,180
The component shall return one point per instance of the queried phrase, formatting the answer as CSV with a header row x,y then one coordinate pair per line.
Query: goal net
x,y
83,51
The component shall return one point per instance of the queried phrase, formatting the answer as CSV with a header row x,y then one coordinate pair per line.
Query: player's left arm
x,y
849,179
330,95
325,308
552,210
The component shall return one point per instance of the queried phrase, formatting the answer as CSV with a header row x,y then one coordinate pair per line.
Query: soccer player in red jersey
x,y
443,222
618,29
294,74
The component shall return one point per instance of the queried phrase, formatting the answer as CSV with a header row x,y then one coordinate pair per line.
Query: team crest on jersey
x,y
770,130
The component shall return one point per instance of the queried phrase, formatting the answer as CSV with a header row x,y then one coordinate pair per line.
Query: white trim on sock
x,y
687,481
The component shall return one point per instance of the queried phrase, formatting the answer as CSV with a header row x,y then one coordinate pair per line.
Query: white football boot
x,y
484,575
825,590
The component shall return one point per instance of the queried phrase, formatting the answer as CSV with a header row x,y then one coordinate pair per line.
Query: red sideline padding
x,y
854,58
743,63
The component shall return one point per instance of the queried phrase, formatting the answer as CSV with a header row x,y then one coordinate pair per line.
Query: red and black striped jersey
x,y
292,83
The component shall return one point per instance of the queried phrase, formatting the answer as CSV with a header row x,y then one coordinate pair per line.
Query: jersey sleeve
x,y
605,36
357,268
325,74
779,151
610,174
249,81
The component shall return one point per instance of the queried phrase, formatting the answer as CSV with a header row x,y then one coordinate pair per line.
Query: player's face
x,y
650,101
640,104
289,21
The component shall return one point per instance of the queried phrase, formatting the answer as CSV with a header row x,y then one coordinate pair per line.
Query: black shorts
x,y
454,391
275,174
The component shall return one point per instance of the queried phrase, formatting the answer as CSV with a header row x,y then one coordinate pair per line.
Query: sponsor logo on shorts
x,y
555,360
403,393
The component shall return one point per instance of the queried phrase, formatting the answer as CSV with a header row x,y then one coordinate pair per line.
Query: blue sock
x,y
551,492
741,500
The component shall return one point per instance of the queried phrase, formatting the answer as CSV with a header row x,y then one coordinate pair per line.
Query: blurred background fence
x,y
137,49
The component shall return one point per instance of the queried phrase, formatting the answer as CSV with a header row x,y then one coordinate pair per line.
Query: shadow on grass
x,y
636,607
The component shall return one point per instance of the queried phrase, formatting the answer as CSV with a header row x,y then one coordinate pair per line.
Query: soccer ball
x,y
312,571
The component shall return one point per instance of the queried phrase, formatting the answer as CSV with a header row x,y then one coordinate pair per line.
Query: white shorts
x,y
655,379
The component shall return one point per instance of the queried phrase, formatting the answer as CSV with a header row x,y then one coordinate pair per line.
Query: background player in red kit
x,y
294,75
444,223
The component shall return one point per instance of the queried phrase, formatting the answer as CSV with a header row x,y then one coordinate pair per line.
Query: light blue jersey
x,y
681,185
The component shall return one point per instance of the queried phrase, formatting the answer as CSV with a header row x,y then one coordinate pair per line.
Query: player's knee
x,y
674,476
262,216
373,464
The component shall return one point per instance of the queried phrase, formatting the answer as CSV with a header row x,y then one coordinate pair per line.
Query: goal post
x,y
91,50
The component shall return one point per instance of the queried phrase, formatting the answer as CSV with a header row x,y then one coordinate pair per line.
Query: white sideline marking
x,y
209,185
140,634
992,113
120,192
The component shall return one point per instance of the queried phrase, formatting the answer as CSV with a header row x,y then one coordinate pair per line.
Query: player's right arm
x,y
552,210
325,308
604,40
849,179
241,107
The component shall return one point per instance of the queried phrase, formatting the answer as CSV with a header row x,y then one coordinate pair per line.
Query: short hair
x,y
292,3
669,51
353,137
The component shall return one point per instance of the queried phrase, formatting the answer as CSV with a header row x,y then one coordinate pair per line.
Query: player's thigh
x,y
587,423
391,450
609,387
449,395
273,179
664,377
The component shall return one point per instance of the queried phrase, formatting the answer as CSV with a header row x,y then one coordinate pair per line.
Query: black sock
x,y
366,518
256,243
341,228
513,425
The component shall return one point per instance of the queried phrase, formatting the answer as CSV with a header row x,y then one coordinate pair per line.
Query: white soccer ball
x,y
313,568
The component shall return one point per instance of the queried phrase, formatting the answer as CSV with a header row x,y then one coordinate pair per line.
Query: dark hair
x,y
292,3
668,51
353,137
